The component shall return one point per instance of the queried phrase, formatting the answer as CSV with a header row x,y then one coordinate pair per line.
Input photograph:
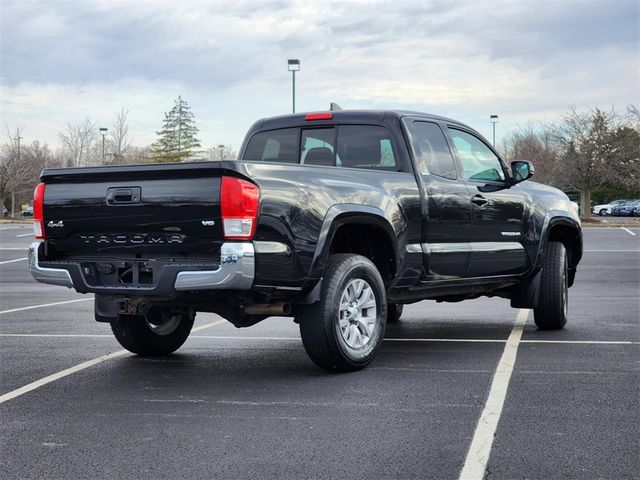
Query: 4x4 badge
x,y
53,224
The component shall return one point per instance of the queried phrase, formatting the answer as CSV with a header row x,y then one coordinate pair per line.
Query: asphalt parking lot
x,y
250,404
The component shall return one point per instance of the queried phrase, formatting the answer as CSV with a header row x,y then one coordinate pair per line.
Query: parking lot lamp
x,y
294,66
494,120
103,132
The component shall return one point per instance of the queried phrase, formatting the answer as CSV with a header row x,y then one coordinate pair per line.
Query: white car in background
x,y
604,210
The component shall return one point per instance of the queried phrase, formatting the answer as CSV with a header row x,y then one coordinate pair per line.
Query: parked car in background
x,y
615,211
636,211
607,208
5,212
627,209
27,213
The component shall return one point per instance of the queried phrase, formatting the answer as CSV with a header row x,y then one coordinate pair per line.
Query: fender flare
x,y
341,214
555,218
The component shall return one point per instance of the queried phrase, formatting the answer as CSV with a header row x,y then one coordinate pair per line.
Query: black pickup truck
x,y
333,218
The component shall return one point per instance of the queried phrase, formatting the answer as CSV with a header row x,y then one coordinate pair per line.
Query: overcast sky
x,y
62,61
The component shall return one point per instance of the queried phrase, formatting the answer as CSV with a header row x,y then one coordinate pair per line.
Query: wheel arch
x,y
359,229
566,230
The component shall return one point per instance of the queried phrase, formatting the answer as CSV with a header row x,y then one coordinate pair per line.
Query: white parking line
x,y
13,261
24,249
56,376
24,235
208,325
584,342
476,462
636,250
89,363
53,335
44,305
628,231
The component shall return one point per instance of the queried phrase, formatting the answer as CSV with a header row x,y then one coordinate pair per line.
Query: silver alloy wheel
x,y
358,314
166,327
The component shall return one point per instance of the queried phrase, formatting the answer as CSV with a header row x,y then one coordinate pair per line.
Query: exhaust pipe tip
x,y
280,308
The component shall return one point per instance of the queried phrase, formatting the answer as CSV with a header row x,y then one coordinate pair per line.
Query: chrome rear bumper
x,y
235,272
54,276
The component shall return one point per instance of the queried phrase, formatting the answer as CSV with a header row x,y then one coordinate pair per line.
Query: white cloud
x,y
64,61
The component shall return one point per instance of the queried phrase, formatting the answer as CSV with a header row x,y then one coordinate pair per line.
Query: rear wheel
x,y
394,312
551,312
156,333
343,331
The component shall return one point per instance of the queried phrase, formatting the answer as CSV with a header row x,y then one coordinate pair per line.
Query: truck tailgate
x,y
138,209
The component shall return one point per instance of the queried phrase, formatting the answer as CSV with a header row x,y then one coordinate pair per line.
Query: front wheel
x,y
156,333
551,312
343,331
603,212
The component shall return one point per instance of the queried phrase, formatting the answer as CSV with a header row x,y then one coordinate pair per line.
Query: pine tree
x,y
177,139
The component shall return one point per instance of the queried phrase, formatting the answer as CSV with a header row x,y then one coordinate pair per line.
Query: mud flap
x,y
527,292
105,309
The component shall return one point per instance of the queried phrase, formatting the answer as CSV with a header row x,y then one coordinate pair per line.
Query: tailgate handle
x,y
124,195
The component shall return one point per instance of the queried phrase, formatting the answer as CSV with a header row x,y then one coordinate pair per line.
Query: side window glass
x,y
273,146
365,146
431,150
386,150
317,147
478,161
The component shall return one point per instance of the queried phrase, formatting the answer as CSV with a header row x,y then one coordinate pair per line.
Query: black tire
x,y
394,312
330,329
603,212
551,312
157,333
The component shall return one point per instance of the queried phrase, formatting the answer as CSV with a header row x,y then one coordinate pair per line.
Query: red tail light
x,y
239,207
38,212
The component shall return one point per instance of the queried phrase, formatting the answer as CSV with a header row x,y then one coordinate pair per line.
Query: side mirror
x,y
522,170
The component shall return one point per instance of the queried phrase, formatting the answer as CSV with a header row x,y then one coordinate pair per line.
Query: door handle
x,y
479,200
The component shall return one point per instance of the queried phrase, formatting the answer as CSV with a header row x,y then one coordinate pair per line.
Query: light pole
x,y
494,120
13,190
294,66
221,147
103,132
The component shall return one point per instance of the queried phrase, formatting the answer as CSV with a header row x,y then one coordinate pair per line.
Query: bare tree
x,y
221,152
78,142
17,169
633,117
120,141
141,155
534,143
588,156
625,171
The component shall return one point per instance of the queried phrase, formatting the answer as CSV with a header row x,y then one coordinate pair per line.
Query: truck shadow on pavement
x,y
208,366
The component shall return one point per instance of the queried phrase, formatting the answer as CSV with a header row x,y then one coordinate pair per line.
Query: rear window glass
x,y
273,146
354,146
317,147
365,146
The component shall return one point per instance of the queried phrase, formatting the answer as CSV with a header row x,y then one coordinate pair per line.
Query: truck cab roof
x,y
347,116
